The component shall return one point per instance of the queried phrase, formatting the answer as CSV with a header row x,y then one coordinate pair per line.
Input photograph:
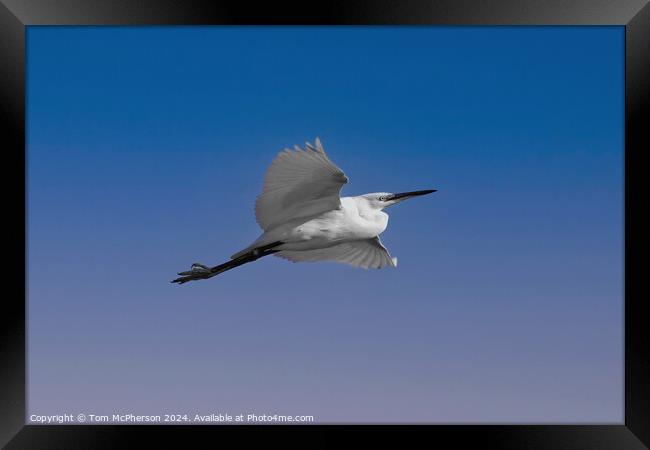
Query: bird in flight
x,y
304,218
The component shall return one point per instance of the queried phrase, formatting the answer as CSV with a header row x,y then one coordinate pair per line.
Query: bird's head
x,y
381,200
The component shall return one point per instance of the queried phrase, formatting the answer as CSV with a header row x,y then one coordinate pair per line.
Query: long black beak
x,y
405,195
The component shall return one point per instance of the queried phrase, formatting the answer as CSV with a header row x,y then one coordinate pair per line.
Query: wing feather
x,y
299,183
367,254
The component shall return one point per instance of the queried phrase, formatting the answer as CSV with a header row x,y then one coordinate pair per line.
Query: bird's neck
x,y
368,212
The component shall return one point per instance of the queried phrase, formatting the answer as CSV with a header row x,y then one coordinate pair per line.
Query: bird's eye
x,y
382,198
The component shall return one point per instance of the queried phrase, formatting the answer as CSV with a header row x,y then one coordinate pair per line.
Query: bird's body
x,y
305,219
354,220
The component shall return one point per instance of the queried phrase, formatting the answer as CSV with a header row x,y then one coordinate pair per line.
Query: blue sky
x,y
146,148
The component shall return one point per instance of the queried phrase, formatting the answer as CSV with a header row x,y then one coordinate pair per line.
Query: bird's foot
x,y
197,272
196,268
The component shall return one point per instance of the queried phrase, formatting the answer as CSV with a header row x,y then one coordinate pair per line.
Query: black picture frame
x,y
15,15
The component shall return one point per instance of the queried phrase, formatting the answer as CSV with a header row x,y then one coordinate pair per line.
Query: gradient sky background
x,y
147,148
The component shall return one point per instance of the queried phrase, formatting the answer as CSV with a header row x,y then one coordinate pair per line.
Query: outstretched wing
x,y
299,183
368,254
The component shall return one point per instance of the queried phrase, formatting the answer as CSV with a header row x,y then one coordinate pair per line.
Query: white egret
x,y
304,218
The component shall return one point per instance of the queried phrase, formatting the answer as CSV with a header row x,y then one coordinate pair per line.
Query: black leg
x,y
201,272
